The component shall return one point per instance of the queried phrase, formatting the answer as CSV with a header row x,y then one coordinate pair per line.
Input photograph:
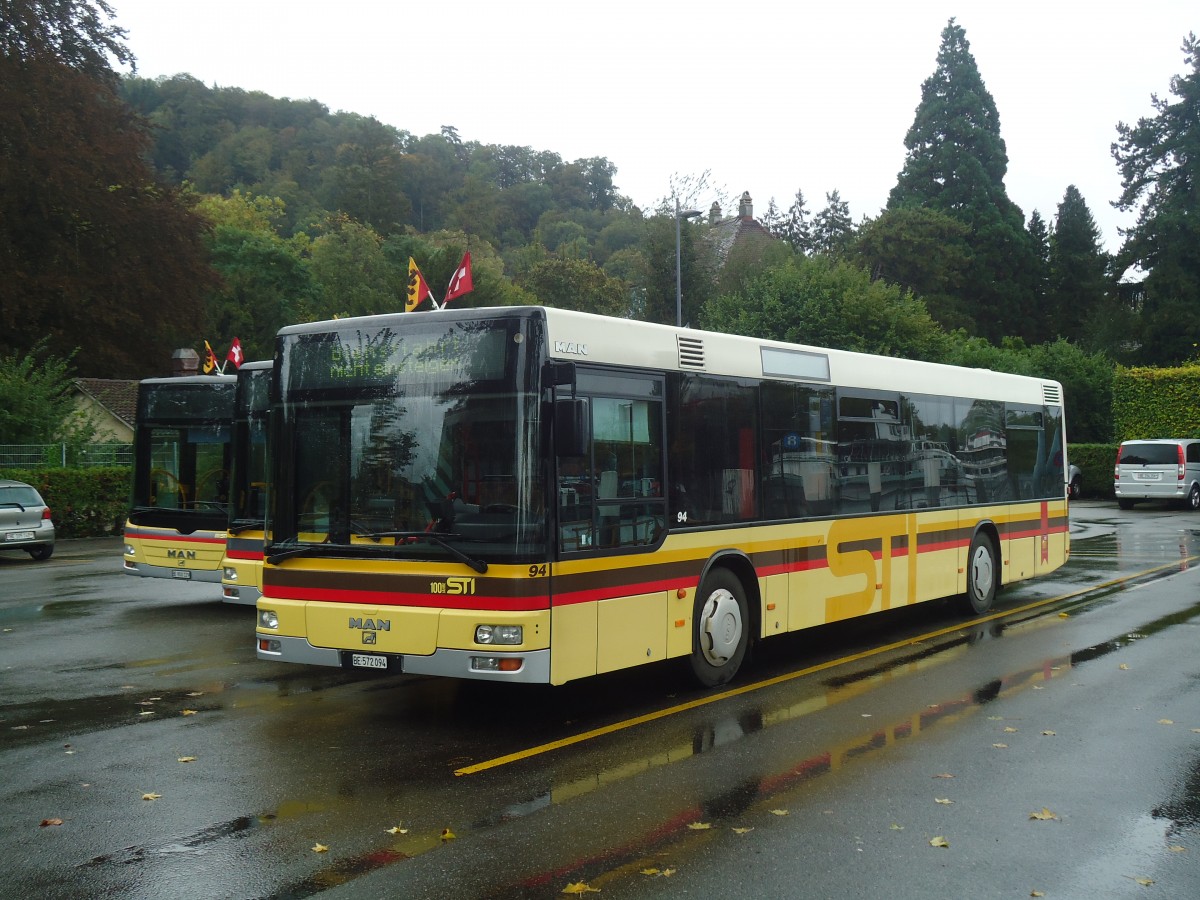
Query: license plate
x,y
1146,476
182,573
19,536
368,661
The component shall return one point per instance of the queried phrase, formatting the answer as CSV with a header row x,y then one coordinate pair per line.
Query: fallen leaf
x,y
939,841
1036,894
1038,687
146,712
1123,667
667,873
944,801
649,871
944,775
1048,733
1166,721
1000,746
187,759
896,827
779,812
1144,882
46,822
699,826
742,830
1175,848
151,796
448,835
995,718
1044,816
1196,731
396,829
319,848
188,712
195,694
580,887
1064,615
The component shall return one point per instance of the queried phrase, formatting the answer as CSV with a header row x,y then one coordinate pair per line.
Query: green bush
x,y
83,502
1156,403
1096,462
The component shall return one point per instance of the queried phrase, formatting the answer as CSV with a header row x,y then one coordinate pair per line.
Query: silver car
x,y
1160,469
25,522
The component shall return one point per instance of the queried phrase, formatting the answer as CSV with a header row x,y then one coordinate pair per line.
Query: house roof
x,y
117,395
724,234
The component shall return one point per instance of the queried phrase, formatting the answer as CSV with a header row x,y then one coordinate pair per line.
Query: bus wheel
x,y
720,629
981,576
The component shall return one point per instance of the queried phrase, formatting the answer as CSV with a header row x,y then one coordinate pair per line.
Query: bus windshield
x,y
416,443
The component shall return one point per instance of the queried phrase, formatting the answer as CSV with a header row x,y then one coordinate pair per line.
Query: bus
x,y
539,495
181,452
241,578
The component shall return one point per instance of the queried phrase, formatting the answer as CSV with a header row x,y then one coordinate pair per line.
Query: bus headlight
x,y
499,634
268,618
230,573
129,551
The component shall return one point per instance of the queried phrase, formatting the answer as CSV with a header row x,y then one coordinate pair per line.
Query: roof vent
x,y
1052,394
691,352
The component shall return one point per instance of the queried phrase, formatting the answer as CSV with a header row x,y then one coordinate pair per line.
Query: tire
x,y
1075,488
1193,498
720,629
1125,504
982,576
41,551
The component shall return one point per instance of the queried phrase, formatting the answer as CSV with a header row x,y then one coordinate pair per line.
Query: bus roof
x,y
602,340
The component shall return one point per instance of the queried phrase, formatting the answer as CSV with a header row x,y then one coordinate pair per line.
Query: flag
x,y
418,290
235,354
460,281
210,359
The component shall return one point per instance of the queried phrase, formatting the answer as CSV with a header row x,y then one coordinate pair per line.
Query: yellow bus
x,y
178,517
538,495
241,579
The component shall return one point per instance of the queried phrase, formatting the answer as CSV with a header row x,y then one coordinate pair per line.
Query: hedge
x,y
88,502
1156,403
1096,463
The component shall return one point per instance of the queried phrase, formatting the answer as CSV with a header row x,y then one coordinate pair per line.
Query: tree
x,y
829,303
1039,245
1078,270
35,399
1159,161
577,284
955,163
94,253
832,227
352,274
796,228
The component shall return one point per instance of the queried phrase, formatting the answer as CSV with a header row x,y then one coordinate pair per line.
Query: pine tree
x,y
1039,243
1159,160
832,227
1078,269
956,163
796,229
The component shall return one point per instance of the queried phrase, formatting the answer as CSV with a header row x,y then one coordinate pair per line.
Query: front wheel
x,y
720,629
1193,498
982,576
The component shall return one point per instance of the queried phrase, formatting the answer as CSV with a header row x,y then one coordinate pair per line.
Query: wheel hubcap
x,y
981,572
720,627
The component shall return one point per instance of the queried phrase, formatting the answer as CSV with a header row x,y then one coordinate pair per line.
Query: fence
x,y
82,456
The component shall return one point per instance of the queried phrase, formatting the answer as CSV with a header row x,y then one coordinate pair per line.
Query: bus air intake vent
x,y
691,352
1052,394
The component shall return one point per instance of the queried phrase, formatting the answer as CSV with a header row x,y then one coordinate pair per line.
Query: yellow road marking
x,y
800,673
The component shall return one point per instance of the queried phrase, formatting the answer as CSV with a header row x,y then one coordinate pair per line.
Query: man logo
x,y
369,637
371,624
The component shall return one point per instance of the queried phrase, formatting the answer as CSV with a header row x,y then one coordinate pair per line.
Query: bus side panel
x,y
574,631
631,630
940,559
1037,539
773,589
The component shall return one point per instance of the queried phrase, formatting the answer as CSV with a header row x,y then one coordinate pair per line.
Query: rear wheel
x,y
41,551
720,628
1125,504
982,576
1193,498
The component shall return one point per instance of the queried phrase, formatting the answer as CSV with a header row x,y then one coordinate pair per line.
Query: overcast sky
x,y
768,97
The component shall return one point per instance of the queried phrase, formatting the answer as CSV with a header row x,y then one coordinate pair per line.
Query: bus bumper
x,y
480,665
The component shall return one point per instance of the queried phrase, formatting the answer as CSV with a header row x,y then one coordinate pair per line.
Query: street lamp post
x,y
679,215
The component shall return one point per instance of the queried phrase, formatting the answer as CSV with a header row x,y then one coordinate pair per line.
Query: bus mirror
x,y
572,421
558,374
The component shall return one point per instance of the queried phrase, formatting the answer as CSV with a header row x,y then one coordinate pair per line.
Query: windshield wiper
x,y
435,538
245,525
303,550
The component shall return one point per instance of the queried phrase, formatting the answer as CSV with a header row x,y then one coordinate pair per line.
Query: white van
x,y
1162,469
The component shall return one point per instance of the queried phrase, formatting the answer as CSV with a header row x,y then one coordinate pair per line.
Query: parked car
x,y
1161,469
1074,481
25,522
